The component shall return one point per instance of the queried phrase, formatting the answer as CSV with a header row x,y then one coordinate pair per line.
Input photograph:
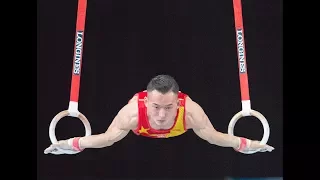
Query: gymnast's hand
x,y
255,145
62,144
247,145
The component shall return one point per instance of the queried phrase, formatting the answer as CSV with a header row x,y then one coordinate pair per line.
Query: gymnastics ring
x,y
263,120
57,118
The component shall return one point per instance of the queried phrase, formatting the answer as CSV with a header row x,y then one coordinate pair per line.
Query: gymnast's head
x,y
162,100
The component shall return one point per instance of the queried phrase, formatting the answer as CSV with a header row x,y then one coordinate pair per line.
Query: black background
x,y
129,42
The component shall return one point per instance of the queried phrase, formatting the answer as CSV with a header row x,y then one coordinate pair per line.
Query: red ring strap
x,y
75,144
243,144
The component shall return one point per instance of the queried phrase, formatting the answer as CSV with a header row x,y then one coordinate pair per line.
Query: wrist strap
x,y
243,144
75,144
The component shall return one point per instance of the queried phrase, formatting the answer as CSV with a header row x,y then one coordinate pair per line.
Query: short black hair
x,y
163,84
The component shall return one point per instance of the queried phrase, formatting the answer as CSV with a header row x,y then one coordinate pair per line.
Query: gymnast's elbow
x,y
105,140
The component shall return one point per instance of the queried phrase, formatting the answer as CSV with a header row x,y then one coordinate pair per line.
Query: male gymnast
x,y
162,111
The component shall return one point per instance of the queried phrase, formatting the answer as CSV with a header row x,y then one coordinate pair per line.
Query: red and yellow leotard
x,y
144,128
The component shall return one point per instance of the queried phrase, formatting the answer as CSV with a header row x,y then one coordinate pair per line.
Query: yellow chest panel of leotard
x,y
177,129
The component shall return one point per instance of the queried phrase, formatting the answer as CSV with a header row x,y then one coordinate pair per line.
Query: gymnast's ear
x,y
145,101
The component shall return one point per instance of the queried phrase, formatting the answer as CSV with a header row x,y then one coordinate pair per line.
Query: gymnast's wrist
x,y
243,144
75,143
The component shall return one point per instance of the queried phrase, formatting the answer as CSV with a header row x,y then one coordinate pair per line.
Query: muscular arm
x,y
121,125
201,125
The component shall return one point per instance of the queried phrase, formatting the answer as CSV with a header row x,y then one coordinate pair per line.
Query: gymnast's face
x,y
162,108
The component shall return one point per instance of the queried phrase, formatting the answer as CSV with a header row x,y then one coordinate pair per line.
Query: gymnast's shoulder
x,y
195,115
129,114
